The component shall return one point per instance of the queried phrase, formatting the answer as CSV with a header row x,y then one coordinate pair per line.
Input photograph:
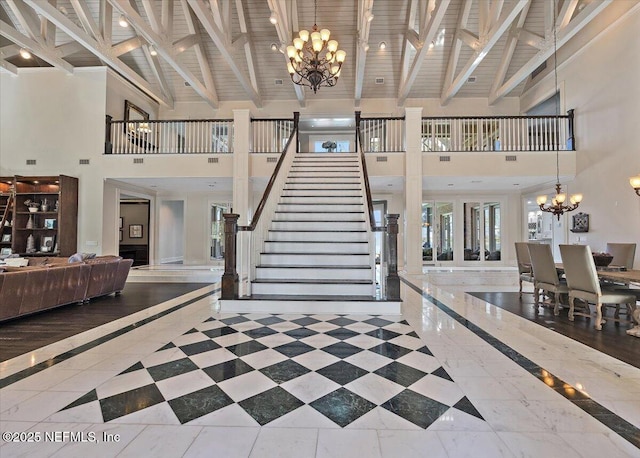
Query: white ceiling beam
x,y
248,46
494,12
203,61
86,19
101,51
167,18
361,52
9,51
562,37
427,34
49,55
287,23
532,39
48,29
152,17
105,20
510,47
218,37
69,48
27,19
468,38
566,12
126,46
8,67
456,46
484,23
158,72
496,31
411,38
164,49
185,43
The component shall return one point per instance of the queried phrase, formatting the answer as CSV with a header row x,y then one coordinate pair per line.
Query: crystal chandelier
x,y
314,60
557,206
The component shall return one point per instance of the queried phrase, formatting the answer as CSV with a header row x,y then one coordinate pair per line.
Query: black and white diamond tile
x,y
259,369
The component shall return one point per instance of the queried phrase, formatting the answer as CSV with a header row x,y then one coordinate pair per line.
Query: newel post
x,y
230,276
108,146
392,279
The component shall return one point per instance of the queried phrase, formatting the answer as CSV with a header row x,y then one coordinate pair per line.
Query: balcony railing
x,y
500,133
382,135
270,135
192,136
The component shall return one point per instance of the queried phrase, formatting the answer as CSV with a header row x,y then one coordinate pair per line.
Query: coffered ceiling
x,y
221,50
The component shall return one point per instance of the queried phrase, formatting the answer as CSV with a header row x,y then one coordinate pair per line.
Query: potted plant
x,y
32,205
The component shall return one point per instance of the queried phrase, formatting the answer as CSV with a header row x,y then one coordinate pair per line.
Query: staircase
x,y
319,246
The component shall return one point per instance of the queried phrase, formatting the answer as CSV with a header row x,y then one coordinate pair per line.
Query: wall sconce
x,y
635,183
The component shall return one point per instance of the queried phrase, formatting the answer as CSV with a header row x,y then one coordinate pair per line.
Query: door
x,y
437,231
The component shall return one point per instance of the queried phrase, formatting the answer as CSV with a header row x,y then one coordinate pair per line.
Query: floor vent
x,y
31,162
138,160
84,161
272,159
381,158
212,160
445,158
511,158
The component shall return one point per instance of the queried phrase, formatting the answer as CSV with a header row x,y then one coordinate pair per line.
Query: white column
x,y
241,188
413,191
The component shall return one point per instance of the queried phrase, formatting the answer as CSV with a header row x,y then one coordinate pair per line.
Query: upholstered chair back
x,y
544,268
623,254
580,269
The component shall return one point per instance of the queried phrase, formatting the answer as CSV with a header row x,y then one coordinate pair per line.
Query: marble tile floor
x,y
452,376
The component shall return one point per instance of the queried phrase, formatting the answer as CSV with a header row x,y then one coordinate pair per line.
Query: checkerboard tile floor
x,y
255,369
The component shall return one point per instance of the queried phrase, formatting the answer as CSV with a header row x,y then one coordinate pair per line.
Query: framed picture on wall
x,y
6,237
135,231
50,223
121,223
48,243
5,251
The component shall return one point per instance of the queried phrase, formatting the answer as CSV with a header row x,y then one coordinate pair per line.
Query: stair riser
x,y
294,289
314,259
314,180
317,236
319,216
321,192
312,274
319,173
318,225
321,208
318,247
321,200
322,185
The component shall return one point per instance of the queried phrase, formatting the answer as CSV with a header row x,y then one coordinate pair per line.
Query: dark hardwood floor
x,y
612,340
28,333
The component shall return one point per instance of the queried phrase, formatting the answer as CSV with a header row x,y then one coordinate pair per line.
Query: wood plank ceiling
x,y
221,50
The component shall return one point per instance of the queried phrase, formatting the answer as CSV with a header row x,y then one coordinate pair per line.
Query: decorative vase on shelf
x,y
30,222
31,244
33,209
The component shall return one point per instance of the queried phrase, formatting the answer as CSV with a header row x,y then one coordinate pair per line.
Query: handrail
x,y
359,142
267,191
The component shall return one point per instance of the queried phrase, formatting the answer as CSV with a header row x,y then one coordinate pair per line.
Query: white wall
x,y
601,82
171,231
57,119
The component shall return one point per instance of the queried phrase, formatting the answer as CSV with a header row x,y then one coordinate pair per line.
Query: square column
x,y
241,187
413,191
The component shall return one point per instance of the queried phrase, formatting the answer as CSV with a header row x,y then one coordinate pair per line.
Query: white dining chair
x,y
524,264
582,279
623,254
545,275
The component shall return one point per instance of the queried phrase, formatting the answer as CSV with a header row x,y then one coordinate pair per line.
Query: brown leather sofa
x,y
55,282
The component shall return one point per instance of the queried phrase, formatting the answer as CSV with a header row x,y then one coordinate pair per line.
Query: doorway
x,y
134,229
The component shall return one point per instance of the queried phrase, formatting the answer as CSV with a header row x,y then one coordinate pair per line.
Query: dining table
x,y
619,275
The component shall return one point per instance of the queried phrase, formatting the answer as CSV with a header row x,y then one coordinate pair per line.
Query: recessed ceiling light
x,y
274,47
368,15
382,45
152,51
123,21
25,54
273,18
